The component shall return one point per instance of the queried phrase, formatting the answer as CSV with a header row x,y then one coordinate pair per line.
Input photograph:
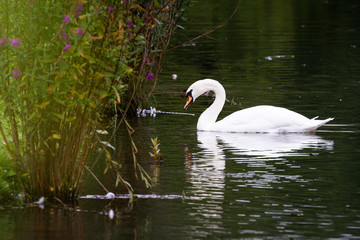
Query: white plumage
x,y
259,119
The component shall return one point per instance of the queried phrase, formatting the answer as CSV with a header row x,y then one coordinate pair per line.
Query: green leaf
x,y
117,94
117,180
103,94
60,116
156,3
60,101
44,104
108,155
63,67
70,119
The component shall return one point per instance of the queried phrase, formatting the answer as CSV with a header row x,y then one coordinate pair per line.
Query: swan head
x,y
189,98
199,87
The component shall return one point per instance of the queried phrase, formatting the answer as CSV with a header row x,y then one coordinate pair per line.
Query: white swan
x,y
259,119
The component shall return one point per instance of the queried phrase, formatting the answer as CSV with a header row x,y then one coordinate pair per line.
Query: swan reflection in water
x,y
262,145
261,155
256,150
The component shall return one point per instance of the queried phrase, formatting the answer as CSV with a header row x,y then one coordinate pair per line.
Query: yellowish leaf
x,y
93,105
56,136
21,85
44,104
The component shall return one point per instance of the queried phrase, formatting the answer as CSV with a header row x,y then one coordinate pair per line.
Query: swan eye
x,y
189,99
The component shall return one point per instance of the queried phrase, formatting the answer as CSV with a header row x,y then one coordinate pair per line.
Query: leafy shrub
x,y
62,63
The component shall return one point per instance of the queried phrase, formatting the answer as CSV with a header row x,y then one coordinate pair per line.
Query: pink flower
x,y
111,9
16,73
79,31
3,41
65,36
66,19
78,9
150,76
67,47
15,42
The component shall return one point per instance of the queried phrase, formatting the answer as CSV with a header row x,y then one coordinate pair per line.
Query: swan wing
x,y
268,119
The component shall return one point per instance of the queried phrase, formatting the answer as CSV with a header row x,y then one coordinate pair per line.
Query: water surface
x,y
302,55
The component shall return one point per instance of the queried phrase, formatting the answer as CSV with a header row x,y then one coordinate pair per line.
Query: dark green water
x,y
302,55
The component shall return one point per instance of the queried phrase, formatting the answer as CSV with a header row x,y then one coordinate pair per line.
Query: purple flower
x,y
15,42
79,31
150,76
78,9
16,73
130,23
3,41
111,9
66,19
65,36
67,47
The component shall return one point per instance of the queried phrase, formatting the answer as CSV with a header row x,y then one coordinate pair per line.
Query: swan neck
x,y
208,118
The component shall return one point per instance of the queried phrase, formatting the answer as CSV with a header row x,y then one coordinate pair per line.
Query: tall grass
x,y
62,64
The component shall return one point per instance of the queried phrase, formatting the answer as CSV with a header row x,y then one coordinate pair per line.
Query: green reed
x,y
62,64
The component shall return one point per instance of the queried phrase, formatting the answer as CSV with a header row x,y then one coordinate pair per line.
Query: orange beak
x,y
189,100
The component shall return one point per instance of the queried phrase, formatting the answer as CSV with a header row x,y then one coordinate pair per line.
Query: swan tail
x,y
322,122
318,123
